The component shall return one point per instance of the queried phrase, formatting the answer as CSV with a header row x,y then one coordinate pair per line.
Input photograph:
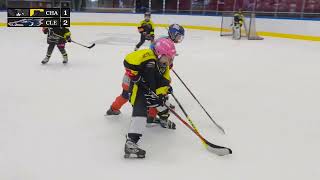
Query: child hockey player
x,y
238,19
176,34
57,36
146,29
149,73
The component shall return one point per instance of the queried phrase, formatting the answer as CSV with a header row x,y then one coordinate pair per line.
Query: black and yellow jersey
x,y
146,26
238,18
143,63
57,34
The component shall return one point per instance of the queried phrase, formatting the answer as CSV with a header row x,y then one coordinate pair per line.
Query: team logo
x,y
26,23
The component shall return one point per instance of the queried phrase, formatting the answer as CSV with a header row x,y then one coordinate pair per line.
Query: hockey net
x,y
248,28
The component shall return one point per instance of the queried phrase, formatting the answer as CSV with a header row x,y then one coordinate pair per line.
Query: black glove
x,y
69,39
154,100
170,90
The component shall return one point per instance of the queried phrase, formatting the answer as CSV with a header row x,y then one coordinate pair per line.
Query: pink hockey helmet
x,y
165,47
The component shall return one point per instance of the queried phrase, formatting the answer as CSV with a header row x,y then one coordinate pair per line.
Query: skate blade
x,y
151,125
111,114
133,156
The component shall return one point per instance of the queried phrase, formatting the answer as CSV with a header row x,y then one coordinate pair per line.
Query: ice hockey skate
x,y
152,122
45,60
111,111
132,150
65,59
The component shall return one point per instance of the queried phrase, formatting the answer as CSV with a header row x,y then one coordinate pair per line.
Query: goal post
x,y
248,28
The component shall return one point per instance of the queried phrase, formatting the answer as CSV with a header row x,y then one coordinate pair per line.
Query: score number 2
x,y
65,22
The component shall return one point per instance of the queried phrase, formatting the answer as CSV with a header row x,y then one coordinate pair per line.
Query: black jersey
x,y
57,35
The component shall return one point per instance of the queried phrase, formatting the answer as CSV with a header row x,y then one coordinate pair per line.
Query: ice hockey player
x,y
149,74
238,19
176,34
146,29
57,36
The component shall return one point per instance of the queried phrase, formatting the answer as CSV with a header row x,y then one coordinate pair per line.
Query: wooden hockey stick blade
x,y
218,150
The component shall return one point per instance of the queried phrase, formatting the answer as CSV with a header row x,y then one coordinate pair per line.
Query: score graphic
x,y
39,17
52,12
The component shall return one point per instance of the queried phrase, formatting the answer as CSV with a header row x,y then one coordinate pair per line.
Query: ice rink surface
x,y
264,93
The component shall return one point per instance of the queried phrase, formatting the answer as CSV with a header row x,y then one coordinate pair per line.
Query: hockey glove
x,y
69,38
140,29
170,90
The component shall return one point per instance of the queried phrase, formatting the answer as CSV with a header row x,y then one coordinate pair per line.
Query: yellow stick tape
x,y
206,28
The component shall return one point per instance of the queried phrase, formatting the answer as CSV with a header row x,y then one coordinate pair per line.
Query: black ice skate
x,y
111,111
65,59
132,150
45,60
164,123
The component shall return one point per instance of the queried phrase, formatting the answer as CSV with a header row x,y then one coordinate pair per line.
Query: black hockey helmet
x,y
147,14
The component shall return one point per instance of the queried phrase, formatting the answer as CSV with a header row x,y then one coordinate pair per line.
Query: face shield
x,y
179,38
147,18
164,61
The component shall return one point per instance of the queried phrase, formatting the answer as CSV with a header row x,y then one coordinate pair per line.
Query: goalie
x,y
238,19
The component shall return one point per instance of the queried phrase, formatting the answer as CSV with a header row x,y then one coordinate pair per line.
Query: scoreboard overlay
x,y
38,17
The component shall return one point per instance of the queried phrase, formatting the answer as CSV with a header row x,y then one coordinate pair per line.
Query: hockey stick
x,y
198,102
89,47
219,150
187,116
184,112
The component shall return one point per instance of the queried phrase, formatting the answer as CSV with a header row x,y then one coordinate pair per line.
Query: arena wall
x,y
282,28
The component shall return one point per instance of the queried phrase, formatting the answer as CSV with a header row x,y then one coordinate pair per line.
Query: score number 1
x,y
65,12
